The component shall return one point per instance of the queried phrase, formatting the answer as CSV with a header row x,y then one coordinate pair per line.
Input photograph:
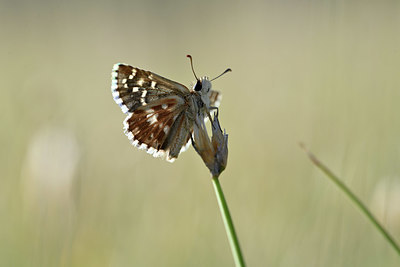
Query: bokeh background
x,y
73,192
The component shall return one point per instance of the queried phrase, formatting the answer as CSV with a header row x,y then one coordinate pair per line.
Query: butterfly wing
x,y
160,127
133,87
215,98
156,108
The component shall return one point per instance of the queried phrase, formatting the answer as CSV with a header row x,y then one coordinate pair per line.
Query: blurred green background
x,y
74,192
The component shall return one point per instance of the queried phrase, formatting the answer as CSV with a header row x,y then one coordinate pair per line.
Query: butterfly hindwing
x,y
215,98
155,126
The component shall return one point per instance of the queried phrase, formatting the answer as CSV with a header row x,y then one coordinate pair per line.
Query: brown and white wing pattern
x,y
133,87
160,127
156,110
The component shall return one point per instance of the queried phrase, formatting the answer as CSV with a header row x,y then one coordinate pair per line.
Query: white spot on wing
x,y
164,106
126,124
170,159
115,94
159,153
114,85
185,147
151,150
130,135
124,109
166,129
218,100
142,99
152,120
116,66
143,146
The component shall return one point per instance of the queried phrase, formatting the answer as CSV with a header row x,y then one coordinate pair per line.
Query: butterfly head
x,y
202,86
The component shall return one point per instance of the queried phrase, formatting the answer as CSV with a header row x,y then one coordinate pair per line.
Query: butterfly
x,y
161,113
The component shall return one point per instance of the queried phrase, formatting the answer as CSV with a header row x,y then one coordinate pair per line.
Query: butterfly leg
x,y
214,108
210,109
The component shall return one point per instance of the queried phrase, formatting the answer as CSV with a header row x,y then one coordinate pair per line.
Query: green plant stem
x,y
229,228
353,197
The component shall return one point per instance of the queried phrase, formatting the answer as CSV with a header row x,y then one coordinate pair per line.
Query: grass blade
x,y
353,197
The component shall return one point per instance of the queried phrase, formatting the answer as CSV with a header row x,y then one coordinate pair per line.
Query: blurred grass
x,y
325,73
356,201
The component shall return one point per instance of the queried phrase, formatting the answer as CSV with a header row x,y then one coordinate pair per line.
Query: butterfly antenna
x,y
227,70
191,64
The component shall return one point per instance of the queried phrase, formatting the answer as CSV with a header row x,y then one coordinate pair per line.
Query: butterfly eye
x,y
198,86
